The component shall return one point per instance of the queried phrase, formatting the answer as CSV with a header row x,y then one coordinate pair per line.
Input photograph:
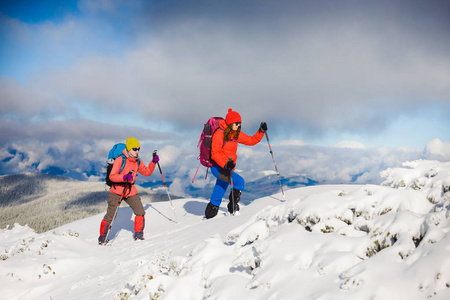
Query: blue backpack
x,y
114,153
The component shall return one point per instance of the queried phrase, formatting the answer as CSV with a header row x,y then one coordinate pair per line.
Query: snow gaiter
x,y
211,210
139,224
104,228
237,196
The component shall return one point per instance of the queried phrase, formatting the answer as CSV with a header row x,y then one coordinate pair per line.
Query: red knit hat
x,y
232,117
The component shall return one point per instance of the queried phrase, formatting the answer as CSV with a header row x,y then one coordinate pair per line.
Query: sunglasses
x,y
238,123
136,149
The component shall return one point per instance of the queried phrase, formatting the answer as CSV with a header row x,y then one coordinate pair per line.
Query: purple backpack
x,y
205,143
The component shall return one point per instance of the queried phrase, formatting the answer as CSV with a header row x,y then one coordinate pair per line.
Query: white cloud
x,y
438,149
178,187
169,155
349,144
292,143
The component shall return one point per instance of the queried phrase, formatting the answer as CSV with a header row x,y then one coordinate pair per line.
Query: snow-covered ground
x,y
324,242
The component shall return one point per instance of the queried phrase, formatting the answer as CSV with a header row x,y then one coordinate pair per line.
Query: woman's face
x,y
235,126
134,151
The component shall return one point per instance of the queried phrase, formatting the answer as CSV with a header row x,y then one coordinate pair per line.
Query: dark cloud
x,y
307,68
54,131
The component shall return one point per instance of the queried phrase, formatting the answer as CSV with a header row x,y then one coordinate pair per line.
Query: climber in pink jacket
x,y
124,189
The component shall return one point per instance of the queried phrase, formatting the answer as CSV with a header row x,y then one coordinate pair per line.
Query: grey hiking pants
x,y
134,202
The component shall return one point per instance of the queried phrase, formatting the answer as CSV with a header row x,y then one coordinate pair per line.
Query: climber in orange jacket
x,y
224,146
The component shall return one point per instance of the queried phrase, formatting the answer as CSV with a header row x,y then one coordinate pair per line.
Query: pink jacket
x,y
130,165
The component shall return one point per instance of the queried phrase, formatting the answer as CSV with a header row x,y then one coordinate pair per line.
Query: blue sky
x,y
319,72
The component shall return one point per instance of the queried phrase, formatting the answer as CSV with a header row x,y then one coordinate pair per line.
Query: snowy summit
x,y
324,242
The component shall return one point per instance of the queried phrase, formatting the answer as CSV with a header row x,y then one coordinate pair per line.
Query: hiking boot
x,y
139,236
211,210
102,240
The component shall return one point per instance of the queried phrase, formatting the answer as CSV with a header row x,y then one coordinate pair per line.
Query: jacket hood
x,y
223,125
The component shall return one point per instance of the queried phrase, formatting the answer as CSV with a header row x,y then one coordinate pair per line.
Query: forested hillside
x,y
45,202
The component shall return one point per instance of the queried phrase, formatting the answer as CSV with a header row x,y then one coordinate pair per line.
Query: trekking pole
x,y
127,185
232,187
276,169
165,185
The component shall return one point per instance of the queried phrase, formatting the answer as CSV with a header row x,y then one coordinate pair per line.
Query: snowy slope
x,y
324,242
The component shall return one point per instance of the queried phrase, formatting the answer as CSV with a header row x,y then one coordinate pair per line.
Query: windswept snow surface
x,y
324,242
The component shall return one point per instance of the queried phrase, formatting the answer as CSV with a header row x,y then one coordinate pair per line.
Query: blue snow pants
x,y
221,186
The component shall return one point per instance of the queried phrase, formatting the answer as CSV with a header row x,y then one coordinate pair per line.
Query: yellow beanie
x,y
132,143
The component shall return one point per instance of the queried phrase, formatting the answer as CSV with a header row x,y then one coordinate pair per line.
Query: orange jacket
x,y
130,165
220,152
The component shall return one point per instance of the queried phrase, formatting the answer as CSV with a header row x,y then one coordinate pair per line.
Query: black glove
x,y
230,165
263,127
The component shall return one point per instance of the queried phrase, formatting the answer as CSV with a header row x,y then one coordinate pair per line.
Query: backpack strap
x,y
195,173
206,176
124,159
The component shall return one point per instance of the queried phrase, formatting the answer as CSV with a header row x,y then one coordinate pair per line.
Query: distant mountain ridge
x,y
261,187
